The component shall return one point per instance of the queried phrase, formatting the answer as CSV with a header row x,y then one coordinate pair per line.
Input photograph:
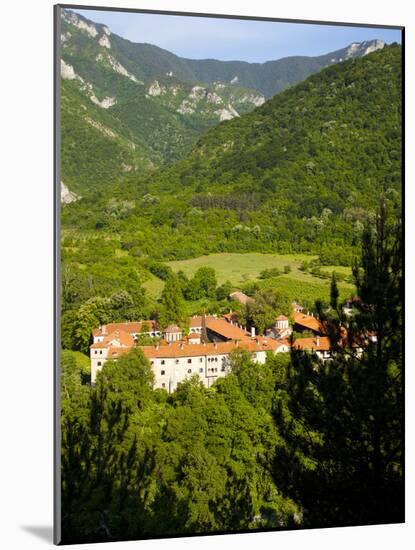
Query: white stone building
x,y
204,352
176,362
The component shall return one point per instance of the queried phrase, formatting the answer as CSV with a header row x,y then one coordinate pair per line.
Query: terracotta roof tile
x,y
227,330
320,343
308,321
181,349
131,327
196,320
123,338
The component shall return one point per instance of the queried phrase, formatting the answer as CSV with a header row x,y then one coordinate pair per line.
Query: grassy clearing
x,y
239,268
153,286
308,289
337,268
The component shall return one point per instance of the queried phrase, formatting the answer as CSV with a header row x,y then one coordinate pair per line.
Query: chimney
x,y
318,341
103,329
252,332
237,343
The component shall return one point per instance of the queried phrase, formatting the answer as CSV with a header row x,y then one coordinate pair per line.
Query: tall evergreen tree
x,y
172,302
342,420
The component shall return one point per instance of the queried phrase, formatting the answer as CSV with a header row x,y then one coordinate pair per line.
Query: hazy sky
x,y
232,39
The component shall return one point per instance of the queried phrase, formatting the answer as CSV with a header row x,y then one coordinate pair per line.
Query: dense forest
x,y
293,443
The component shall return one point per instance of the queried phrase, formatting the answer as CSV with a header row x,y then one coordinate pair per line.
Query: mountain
x,y
146,61
129,108
160,117
306,168
301,173
272,77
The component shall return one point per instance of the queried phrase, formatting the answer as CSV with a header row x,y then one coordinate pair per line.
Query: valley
x,y
231,279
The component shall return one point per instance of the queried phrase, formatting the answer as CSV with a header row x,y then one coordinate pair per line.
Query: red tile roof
x,y
196,320
227,330
308,321
122,338
320,343
180,349
231,316
131,327
282,318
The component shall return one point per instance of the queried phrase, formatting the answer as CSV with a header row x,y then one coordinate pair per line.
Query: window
x,y
223,368
177,361
201,359
189,360
163,362
100,351
189,371
162,372
216,359
200,370
99,363
163,385
95,352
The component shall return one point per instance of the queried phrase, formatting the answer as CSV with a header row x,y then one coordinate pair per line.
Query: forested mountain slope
x,y
274,76
301,173
312,157
133,107
105,77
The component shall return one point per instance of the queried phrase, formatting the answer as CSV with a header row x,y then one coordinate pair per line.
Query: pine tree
x,y
172,302
342,420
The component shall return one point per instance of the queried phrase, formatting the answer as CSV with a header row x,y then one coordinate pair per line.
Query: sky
x,y
233,39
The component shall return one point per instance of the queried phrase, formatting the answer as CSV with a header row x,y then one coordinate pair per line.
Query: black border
x,y
56,244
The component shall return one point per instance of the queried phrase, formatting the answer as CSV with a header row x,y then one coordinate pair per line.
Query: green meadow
x,y
241,269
